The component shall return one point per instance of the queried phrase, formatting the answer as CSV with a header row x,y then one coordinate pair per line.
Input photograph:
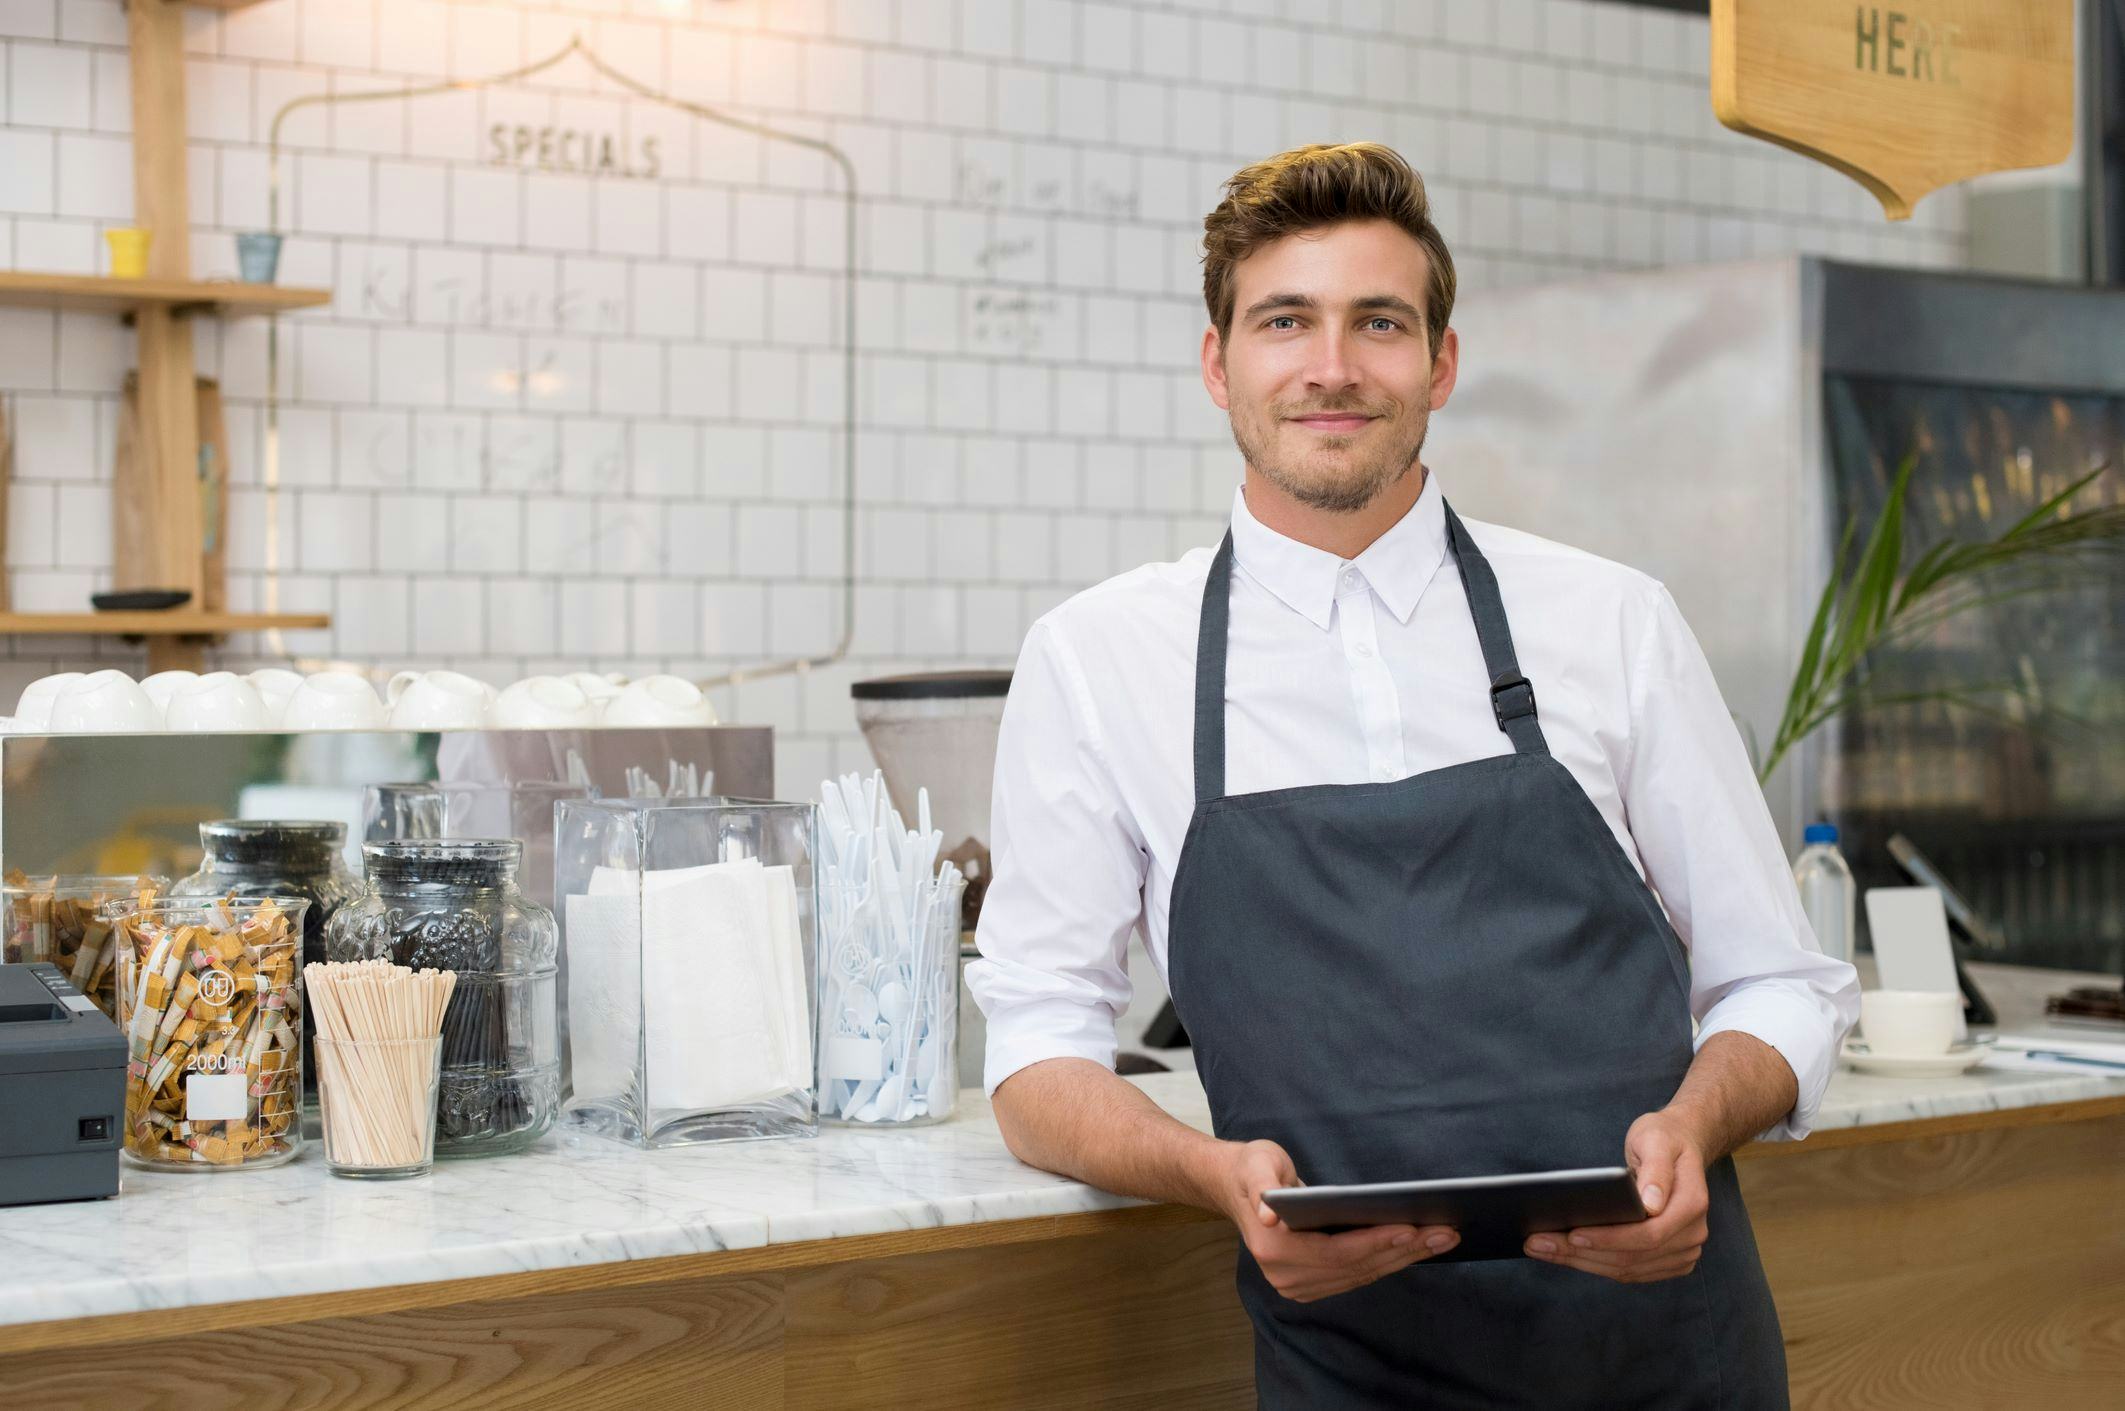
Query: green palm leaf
x,y
1873,602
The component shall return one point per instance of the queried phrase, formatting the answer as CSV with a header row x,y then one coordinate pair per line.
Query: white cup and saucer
x,y
165,684
275,685
599,688
104,703
670,701
218,701
333,700
1912,1034
438,700
33,712
543,703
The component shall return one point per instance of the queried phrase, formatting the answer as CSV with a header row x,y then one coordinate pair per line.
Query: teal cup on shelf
x,y
258,256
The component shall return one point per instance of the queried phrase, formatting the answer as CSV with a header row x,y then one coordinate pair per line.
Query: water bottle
x,y
1827,894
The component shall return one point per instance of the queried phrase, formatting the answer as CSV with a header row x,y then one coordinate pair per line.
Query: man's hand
x,y
1304,1266
1667,1158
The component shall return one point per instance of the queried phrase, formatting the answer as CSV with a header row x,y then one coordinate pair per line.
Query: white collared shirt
x,y
1344,672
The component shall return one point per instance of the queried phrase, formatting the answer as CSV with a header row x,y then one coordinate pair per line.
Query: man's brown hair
x,y
1311,187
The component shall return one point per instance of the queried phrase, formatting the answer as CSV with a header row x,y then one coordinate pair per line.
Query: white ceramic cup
x,y
275,686
219,700
34,710
438,700
1909,1023
599,689
659,700
165,684
105,702
333,700
542,703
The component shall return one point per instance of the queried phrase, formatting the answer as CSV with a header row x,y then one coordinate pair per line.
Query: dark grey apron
x,y
1455,974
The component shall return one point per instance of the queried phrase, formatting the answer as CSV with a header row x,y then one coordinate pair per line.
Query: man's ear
x,y
1214,368
1445,369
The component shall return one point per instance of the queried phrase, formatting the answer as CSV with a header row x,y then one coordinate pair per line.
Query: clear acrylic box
x,y
689,928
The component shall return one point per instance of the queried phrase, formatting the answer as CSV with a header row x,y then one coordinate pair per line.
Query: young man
x,y
1390,795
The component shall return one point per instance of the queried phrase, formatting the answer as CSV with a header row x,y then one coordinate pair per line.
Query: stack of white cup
x,y
111,702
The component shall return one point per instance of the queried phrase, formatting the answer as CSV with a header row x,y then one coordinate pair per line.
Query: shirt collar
x,y
1397,566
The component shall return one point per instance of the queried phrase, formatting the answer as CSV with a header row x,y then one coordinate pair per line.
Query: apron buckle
x,y
1507,706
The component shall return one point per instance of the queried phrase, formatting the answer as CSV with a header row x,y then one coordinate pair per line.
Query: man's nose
x,y
1328,366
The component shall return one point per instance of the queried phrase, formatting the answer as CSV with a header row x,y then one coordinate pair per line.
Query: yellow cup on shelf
x,y
129,252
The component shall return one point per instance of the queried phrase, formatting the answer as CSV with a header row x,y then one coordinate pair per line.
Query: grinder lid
x,y
933,686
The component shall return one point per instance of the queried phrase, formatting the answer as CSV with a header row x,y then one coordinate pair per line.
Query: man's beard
x,y
1343,489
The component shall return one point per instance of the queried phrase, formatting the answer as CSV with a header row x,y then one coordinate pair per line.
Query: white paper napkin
x,y
725,1018
604,993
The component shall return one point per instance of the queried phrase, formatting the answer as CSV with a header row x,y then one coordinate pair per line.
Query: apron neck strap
x,y
1512,696
1210,677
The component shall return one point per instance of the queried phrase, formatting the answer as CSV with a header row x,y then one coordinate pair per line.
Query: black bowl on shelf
x,y
140,600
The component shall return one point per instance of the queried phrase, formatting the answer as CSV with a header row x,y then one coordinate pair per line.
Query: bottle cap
x,y
1819,833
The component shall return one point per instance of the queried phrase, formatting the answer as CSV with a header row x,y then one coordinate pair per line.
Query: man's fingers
x,y
1367,1242
1653,1158
1678,1223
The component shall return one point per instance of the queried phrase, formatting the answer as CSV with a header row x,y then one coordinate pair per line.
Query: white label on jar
x,y
215,1097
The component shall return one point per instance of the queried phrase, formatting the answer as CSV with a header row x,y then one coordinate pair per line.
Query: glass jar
x,y
269,858
59,920
889,1003
455,905
277,859
211,1008
689,926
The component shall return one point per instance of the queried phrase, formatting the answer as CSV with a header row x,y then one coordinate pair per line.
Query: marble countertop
x,y
175,1240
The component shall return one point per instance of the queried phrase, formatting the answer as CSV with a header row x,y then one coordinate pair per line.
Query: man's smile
x,y
1334,423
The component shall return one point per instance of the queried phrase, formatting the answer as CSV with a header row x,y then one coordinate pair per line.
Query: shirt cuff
x,y
1033,1033
1797,1028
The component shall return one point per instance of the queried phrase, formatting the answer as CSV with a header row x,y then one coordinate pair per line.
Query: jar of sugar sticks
x,y
60,920
212,1013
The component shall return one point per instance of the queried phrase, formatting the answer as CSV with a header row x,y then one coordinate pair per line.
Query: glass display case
x,y
2017,792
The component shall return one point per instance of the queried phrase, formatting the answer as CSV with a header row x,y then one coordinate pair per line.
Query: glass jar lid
x,y
454,862
297,845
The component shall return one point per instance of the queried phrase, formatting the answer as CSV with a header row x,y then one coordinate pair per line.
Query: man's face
x,y
1327,371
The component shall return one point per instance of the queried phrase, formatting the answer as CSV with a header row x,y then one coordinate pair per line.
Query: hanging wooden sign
x,y
1904,97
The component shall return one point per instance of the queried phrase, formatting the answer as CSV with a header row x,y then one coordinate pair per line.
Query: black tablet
x,y
1494,1214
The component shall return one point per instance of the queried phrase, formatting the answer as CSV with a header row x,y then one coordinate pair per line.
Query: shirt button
x,y
1350,578
1384,773
1363,649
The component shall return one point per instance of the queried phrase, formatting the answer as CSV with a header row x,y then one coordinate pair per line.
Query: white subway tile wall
x,y
555,419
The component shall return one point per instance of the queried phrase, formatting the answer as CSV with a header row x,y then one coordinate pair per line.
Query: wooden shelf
x,y
102,294
153,624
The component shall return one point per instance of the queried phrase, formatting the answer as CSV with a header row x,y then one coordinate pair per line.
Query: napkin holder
x,y
688,926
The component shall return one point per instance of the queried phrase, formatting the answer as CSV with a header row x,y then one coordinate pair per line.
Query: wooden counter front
x,y
1971,1261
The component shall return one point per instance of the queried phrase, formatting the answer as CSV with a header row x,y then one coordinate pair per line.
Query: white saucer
x,y
1958,1059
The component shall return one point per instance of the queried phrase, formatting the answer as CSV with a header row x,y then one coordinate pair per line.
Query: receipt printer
x,y
62,1090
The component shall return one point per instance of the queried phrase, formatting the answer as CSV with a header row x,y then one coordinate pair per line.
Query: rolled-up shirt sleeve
x,y
1069,875
1712,853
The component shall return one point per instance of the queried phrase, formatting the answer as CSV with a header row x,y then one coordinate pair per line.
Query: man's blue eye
x,y
1391,324
1282,318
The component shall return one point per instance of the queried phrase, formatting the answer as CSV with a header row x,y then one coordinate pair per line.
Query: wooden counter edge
x,y
2043,1114
347,1303
620,1273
